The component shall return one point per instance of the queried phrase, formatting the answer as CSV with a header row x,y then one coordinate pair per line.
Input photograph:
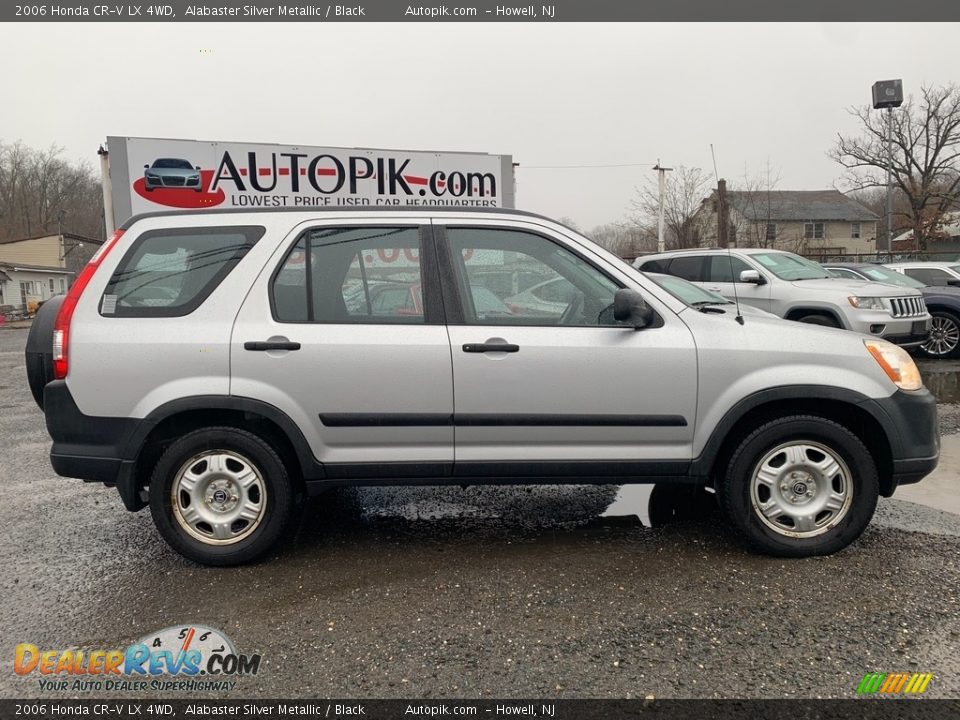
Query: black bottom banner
x,y
867,709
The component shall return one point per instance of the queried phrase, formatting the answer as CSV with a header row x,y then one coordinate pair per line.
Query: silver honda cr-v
x,y
219,365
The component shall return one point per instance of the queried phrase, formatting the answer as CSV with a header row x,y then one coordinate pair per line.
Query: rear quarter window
x,y
170,272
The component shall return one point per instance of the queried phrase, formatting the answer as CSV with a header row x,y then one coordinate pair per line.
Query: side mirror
x,y
147,166
753,277
630,307
953,282
197,167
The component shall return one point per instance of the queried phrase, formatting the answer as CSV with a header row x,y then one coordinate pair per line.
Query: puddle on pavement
x,y
945,386
530,506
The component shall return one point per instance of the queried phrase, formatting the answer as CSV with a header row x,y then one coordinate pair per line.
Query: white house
x,y
24,286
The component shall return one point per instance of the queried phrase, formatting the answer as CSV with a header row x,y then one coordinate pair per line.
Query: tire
x,y
829,506
944,339
221,496
38,355
817,319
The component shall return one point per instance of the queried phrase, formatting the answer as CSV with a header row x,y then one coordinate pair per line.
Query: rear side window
x,y
169,273
351,275
688,267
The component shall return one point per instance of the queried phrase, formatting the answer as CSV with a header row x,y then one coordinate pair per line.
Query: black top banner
x,y
484,11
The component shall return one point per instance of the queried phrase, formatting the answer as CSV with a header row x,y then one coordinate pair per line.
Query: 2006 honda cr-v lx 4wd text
x,y
220,365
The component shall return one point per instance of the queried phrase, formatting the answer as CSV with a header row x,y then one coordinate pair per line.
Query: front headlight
x,y
896,363
866,303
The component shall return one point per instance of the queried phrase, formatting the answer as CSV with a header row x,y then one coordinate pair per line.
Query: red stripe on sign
x,y
415,179
284,171
326,171
243,171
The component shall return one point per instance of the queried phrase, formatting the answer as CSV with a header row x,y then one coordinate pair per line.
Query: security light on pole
x,y
888,94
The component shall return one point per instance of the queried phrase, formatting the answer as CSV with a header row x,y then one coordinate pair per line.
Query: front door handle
x,y
261,346
490,347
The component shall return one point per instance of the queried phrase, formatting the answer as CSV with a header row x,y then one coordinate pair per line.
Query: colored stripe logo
x,y
894,683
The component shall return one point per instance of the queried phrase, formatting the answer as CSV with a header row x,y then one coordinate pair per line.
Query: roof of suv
x,y
387,209
952,264
708,251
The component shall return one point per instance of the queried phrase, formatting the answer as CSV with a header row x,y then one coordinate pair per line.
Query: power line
x,y
578,167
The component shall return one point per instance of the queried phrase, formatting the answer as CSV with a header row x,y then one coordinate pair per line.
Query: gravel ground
x,y
478,592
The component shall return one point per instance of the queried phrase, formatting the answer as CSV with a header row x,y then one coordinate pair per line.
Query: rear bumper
x,y
90,448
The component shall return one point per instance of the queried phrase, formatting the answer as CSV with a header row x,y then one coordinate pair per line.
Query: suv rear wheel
x,y
220,496
800,486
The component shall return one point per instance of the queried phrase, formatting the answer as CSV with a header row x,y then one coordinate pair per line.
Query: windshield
x,y
788,266
686,291
891,277
172,163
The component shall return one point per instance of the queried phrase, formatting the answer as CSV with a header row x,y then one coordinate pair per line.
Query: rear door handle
x,y
261,346
490,347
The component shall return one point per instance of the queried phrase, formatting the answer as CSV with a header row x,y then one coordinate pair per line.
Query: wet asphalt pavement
x,y
480,592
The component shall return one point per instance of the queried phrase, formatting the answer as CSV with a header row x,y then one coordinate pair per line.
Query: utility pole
x,y
723,216
661,184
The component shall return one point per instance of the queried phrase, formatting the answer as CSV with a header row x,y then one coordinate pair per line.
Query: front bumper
x,y
906,332
914,434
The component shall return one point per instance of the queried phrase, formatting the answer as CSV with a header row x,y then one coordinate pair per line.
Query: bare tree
x,y
925,160
684,190
40,191
624,238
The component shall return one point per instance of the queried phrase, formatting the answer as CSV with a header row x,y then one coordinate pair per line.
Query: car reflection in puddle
x,y
529,506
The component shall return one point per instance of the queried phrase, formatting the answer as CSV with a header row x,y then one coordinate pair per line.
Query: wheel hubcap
x,y
944,336
801,489
218,497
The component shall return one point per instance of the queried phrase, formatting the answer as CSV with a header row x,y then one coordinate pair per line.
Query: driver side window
x,y
511,277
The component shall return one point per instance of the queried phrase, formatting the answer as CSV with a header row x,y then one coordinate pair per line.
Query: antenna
x,y
736,297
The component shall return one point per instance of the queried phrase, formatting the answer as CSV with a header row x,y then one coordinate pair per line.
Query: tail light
x,y
61,326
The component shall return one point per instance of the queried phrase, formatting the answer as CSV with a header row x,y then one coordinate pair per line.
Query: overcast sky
x,y
564,94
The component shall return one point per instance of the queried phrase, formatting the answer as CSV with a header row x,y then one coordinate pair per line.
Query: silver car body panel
x,y
696,366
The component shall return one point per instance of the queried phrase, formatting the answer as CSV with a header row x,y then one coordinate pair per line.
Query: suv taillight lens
x,y
61,326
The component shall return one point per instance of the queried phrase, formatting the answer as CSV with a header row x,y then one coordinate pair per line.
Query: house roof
x,y
36,268
4,277
950,228
66,235
799,205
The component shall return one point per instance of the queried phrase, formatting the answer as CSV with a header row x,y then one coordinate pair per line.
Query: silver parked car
x,y
259,376
171,173
930,272
795,288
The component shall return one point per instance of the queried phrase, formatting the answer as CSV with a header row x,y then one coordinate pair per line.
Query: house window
x,y
52,291
63,285
813,231
771,232
855,230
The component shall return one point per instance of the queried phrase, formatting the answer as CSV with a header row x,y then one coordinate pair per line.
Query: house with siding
x,y
37,268
802,221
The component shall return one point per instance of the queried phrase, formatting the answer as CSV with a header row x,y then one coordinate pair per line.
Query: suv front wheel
x,y
220,496
800,486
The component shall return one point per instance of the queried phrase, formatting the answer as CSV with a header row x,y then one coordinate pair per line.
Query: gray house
x,y
814,221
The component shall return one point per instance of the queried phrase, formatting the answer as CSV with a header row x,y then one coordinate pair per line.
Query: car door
x,y
723,278
564,391
330,335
